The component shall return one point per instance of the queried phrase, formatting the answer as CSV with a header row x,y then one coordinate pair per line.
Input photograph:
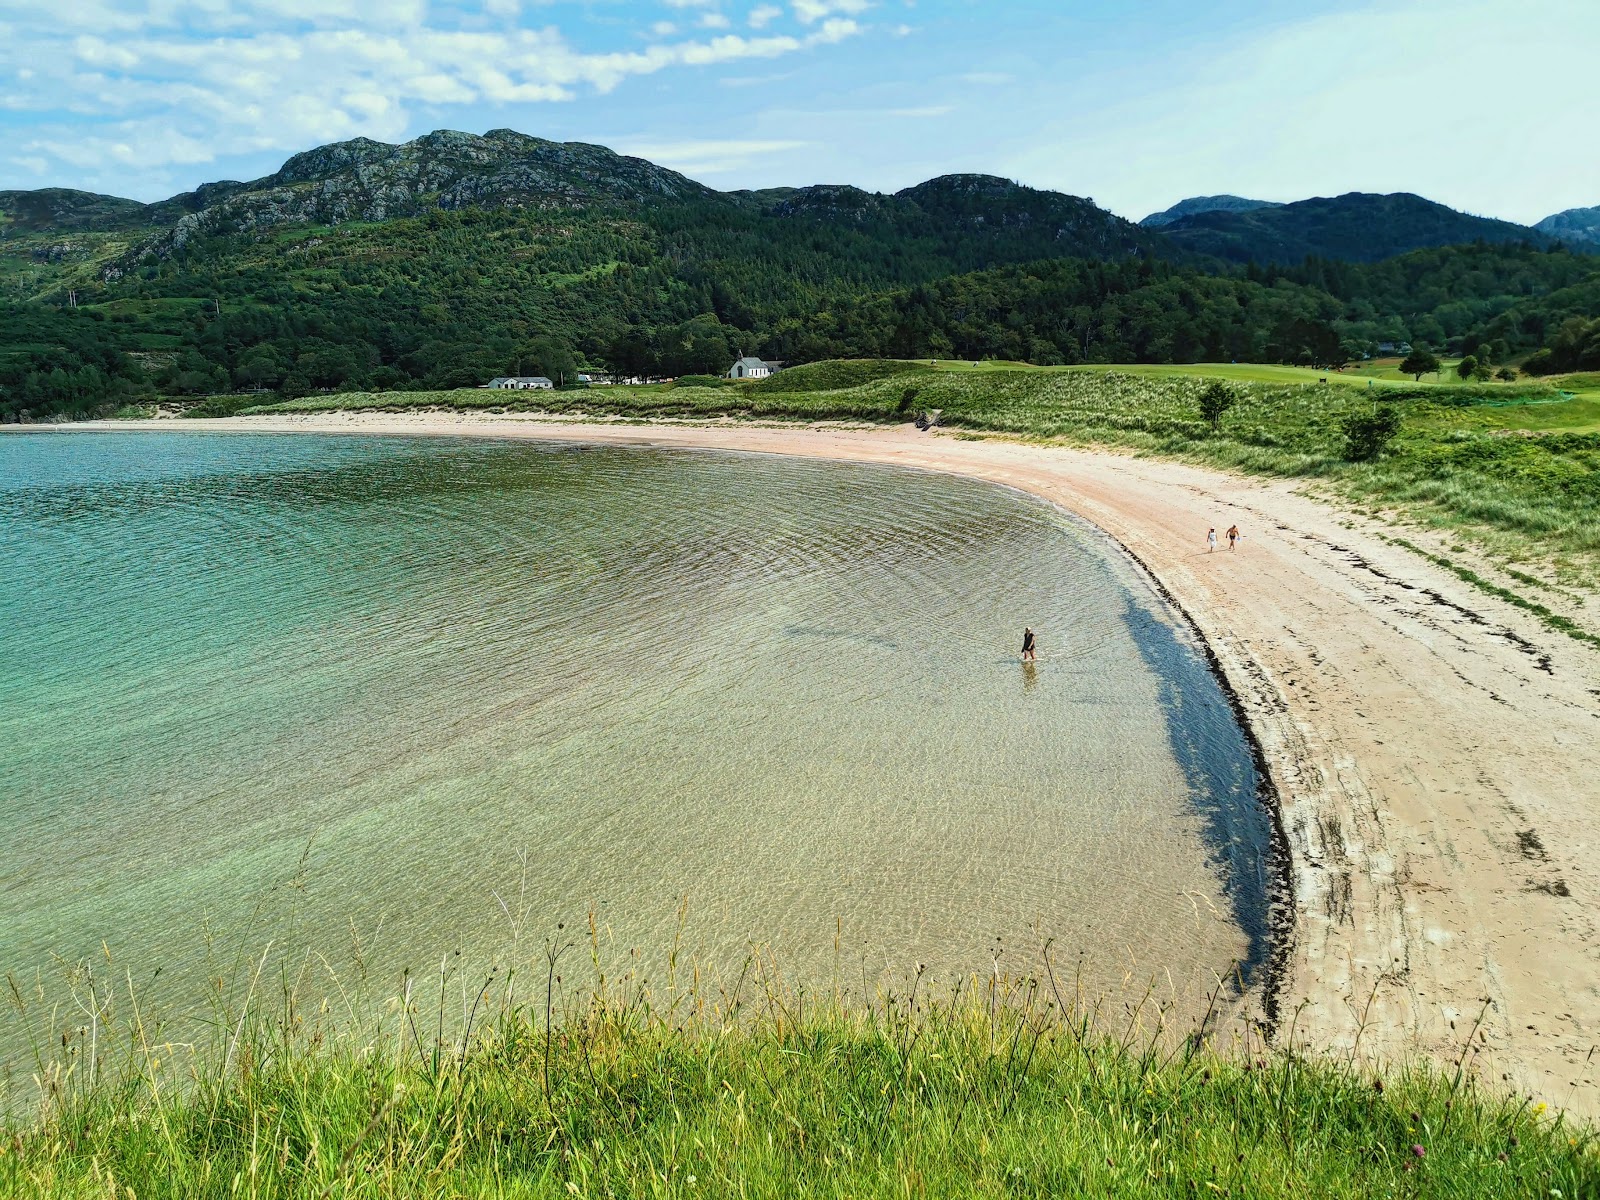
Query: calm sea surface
x,y
399,692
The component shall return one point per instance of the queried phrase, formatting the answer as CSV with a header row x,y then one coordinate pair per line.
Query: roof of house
x,y
498,379
747,362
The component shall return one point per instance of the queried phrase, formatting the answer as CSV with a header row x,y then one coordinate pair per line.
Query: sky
x,y
1486,106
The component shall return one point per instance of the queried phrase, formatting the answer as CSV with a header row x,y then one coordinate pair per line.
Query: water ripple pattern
x,y
358,681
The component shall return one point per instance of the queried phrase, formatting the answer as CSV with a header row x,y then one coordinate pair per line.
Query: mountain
x,y
1575,225
1200,204
449,259
1356,227
364,180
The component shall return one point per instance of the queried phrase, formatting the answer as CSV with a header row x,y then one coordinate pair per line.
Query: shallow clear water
x,y
295,686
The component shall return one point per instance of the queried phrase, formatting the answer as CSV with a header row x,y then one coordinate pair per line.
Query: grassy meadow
x,y
1006,1088
1512,467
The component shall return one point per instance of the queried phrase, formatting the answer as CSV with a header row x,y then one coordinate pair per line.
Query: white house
x,y
750,368
520,382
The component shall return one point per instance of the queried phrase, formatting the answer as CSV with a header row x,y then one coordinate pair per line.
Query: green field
x,y
1008,1089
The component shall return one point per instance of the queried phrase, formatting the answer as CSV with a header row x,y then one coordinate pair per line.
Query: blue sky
x,y
1485,106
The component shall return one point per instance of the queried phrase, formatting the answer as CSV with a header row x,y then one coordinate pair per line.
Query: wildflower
x,y
1539,1108
1417,1151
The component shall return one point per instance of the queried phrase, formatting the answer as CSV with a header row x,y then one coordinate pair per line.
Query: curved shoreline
x,y
1373,687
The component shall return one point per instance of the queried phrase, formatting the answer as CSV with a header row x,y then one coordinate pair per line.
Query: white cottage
x,y
520,382
750,368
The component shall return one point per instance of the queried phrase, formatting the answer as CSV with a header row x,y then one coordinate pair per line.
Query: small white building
x,y
750,368
520,382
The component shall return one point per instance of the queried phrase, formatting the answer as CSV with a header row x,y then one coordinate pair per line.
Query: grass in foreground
x,y
1004,1090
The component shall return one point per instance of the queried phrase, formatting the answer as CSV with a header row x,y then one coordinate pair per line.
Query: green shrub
x,y
1217,399
1367,435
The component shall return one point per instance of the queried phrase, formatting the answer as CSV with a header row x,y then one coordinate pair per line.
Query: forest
x,y
451,298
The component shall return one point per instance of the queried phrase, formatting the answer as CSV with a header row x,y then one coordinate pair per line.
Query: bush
x,y
1214,401
1541,362
1367,435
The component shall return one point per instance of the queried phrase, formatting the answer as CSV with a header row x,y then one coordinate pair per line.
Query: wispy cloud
x,y
709,156
130,83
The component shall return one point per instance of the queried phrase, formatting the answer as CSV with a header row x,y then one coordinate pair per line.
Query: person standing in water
x,y
1233,535
1211,540
1027,646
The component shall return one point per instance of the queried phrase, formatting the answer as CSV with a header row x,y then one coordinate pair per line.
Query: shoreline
x,y
1372,686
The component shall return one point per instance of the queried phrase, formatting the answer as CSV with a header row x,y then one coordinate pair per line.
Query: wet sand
x,y
1435,751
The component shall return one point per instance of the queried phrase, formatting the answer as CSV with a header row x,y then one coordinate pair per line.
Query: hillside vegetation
x,y
453,258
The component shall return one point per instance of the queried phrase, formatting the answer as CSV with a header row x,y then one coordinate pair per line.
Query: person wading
x,y
1027,645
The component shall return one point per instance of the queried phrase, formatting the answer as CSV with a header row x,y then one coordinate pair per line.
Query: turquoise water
x,y
428,695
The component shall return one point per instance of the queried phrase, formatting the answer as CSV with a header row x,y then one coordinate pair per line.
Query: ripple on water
x,y
784,693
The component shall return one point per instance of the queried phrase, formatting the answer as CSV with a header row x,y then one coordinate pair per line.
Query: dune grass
x,y
1009,1087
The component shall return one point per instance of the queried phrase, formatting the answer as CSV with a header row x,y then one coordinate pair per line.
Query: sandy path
x,y
1436,751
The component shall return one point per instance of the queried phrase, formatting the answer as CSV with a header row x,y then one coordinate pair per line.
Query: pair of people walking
x,y
1233,536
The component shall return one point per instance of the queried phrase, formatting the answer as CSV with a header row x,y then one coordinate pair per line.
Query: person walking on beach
x,y
1211,540
1027,646
1233,535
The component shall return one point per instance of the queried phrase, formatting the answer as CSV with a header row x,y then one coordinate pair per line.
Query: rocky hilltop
x,y
1575,225
1200,204
364,180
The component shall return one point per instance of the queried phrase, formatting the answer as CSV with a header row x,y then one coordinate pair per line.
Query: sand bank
x,y
1436,752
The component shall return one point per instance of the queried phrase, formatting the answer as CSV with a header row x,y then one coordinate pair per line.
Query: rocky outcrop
x,y
1574,226
366,180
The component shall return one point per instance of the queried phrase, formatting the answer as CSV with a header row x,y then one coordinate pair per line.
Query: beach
x,y
1432,749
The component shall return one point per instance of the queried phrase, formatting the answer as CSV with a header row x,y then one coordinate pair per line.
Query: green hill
x,y
455,257
1357,227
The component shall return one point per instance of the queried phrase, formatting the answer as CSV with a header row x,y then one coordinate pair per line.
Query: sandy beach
x,y
1435,751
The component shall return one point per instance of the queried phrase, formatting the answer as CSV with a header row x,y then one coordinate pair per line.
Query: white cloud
x,y
143,84
810,12
763,15
710,156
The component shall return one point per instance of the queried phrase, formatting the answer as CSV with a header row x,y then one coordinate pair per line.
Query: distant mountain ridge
x,y
1355,227
369,181
1200,204
1574,225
